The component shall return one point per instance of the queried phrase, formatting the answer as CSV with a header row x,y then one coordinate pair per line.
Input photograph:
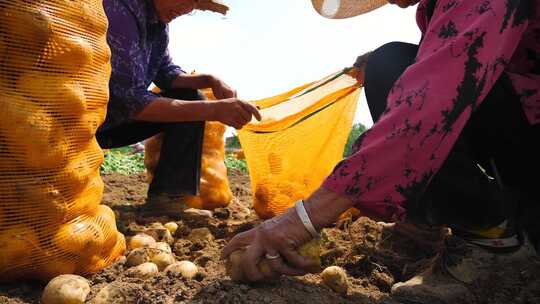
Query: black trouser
x,y
496,136
179,166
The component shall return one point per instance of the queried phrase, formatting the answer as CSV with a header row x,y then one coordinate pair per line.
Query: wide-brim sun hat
x,y
340,9
217,6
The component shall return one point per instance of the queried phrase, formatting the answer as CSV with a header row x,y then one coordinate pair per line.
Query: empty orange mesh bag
x,y
54,74
299,140
214,184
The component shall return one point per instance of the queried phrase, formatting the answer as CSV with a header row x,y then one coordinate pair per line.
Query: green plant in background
x,y
232,163
123,161
356,131
232,142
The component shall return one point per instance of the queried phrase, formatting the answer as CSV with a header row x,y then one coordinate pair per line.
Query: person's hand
x,y
359,67
278,237
220,89
235,112
281,236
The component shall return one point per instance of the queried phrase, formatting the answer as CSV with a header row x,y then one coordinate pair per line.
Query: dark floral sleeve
x,y
465,48
128,86
167,72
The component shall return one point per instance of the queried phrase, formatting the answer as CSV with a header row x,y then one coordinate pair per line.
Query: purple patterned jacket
x,y
138,42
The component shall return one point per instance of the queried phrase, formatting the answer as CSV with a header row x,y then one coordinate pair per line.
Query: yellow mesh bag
x,y
298,142
214,183
54,73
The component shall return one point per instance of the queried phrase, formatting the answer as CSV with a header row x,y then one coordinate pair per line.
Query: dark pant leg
x,y
178,169
460,194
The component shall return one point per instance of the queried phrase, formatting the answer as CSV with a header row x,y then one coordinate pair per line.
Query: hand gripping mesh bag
x,y
54,73
298,142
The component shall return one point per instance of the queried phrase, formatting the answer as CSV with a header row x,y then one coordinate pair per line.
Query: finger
x,y
244,114
295,260
252,109
252,257
278,266
239,241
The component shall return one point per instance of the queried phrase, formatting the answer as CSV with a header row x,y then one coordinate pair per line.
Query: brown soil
x,y
374,259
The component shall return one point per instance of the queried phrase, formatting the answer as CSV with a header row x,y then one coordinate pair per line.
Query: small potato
x,y
143,271
160,234
162,260
163,247
66,289
172,227
137,257
336,278
186,269
142,240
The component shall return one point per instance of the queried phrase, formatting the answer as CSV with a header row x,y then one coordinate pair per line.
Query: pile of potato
x,y
148,256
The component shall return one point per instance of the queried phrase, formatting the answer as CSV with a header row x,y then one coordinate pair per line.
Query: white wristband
x,y
304,217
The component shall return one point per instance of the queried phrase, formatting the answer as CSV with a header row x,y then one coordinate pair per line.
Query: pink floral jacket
x,y
466,46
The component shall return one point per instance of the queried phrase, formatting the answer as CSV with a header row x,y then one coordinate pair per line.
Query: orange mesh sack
x,y
298,142
54,73
214,184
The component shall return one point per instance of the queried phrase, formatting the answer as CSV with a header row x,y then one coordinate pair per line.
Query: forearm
x,y
197,81
324,207
172,110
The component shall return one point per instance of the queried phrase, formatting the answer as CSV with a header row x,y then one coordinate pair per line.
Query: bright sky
x,y
266,47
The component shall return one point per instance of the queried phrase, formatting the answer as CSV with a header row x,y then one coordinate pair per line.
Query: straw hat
x,y
340,9
212,5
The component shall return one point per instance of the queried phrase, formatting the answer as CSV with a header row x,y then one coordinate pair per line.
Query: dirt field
x,y
374,260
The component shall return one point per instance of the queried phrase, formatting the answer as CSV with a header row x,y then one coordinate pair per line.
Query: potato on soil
x,y
66,289
162,260
142,240
186,269
137,257
336,279
163,247
144,270
171,226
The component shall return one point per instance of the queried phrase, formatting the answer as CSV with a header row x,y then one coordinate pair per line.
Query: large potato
x,y
81,236
66,289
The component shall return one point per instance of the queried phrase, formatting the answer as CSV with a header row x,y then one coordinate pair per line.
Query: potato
x,y
137,257
17,244
200,235
25,30
162,260
81,236
172,227
143,271
186,269
69,53
68,98
66,289
234,263
160,234
118,293
33,137
163,247
336,279
142,240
